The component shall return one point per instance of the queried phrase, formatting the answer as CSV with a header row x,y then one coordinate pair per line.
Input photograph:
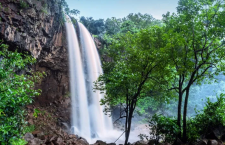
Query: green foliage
x,y
65,11
163,127
211,117
194,45
17,141
17,90
208,119
65,8
44,10
30,128
95,27
188,45
112,26
133,73
23,4
36,112
130,54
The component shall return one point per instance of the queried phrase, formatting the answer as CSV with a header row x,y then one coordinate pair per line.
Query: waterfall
x,y
80,115
100,123
88,119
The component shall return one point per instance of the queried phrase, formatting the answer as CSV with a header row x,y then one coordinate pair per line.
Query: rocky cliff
x,y
36,26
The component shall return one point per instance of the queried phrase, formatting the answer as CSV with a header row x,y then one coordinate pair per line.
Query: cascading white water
x,y
80,115
100,123
88,119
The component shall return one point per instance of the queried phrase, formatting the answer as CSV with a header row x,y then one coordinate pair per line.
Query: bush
x,y
164,128
206,120
210,118
16,91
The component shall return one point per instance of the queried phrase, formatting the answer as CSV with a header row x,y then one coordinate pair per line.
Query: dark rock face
x,y
62,139
35,26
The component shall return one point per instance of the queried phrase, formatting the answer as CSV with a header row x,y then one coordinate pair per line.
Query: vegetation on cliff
x,y
16,91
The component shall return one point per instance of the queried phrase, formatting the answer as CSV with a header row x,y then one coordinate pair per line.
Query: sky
x,y
120,8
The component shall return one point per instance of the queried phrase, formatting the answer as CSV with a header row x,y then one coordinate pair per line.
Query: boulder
x,y
72,136
202,142
111,143
140,142
99,142
211,135
152,142
212,142
35,141
222,138
220,142
81,141
28,137
178,142
58,141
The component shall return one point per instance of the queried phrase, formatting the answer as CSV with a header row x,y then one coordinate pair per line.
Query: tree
x,y
133,71
142,21
95,27
16,91
195,43
128,26
112,26
66,9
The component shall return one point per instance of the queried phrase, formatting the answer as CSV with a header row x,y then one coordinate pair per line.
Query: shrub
x,y
206,120
211,117
16,91
164,128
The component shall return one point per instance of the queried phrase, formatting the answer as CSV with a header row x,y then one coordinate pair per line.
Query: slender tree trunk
x,y
185,115
128,123
127,116
126,129
179,113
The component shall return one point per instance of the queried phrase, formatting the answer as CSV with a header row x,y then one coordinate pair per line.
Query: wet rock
x,y
211,135
72,136
58,141
100,142
178,142
202,142
220,142
212,142
141,142
28,137
35,141
166,143
98,43
111,143
152,142
222,138
82,141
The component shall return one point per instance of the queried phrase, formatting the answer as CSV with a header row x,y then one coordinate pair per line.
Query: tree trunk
x,y
184,116
179,113
127,116
128,123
